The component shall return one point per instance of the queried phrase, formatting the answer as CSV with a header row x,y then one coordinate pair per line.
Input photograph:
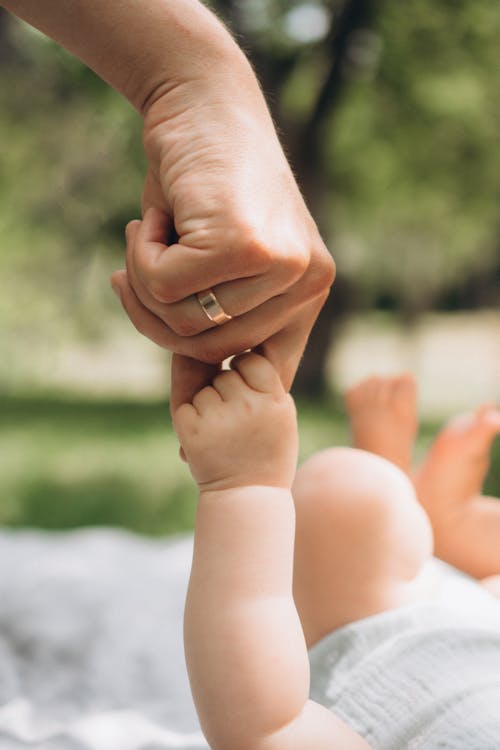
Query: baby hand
x,y
241,430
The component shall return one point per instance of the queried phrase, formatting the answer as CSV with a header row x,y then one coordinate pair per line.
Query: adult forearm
x,y
140,47
245,648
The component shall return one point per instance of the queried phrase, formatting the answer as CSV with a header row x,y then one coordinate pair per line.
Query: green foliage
x,y
71,463
414,152
66,464
71,171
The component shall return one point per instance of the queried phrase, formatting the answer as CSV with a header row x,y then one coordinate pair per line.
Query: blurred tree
x,y
421,157
389,114
71,172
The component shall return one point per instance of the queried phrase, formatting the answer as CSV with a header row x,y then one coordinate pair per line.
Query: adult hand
x,y
224,187
218,173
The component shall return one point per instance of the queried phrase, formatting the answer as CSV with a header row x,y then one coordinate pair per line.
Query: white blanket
x,y
91,654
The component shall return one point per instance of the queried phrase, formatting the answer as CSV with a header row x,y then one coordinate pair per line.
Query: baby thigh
x,y
362,539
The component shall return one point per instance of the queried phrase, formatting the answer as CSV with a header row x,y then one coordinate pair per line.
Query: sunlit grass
x,y
70,463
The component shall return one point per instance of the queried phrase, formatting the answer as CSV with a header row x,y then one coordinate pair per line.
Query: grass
x,y
67,463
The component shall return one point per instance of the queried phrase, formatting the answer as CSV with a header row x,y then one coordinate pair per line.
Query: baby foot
x,y
383,416
455,467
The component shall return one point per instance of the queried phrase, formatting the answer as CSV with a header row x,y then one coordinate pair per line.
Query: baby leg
x,y
466,525
449,483
383,416
362,539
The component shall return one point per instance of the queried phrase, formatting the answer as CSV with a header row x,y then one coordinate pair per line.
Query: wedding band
x,y
212,307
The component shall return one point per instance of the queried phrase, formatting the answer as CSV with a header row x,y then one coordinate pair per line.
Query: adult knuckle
x,y
162,291
320,276
314,284
295,264
330,269
182,327
262,254
141,268
138,324
254,249
326,264
218,352
211,353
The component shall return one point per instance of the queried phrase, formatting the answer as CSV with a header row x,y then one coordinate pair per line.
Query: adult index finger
x,y
172,273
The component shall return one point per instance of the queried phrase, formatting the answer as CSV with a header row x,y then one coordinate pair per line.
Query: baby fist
x,y
241,430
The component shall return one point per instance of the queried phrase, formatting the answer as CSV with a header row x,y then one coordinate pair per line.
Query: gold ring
x,y
212,307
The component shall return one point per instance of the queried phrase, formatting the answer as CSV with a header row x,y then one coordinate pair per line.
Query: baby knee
x,y
357,499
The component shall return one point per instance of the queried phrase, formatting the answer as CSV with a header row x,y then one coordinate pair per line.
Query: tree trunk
x,y
356,15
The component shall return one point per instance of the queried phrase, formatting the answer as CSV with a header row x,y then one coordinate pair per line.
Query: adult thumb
x,y
188,377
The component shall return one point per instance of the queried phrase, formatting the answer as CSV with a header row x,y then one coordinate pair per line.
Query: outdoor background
x,y
389,113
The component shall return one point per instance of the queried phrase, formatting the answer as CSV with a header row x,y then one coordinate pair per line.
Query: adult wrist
x,y
198,51
223,95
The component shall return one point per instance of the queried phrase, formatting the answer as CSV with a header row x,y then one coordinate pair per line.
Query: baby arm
x,y
245,649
